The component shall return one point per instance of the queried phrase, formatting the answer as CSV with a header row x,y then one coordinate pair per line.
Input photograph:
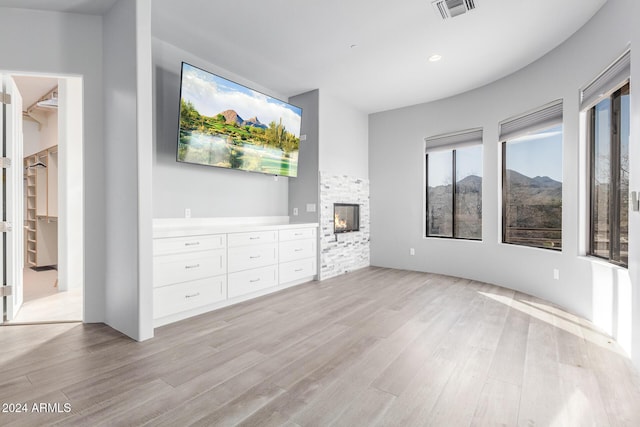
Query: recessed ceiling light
x,y
435,58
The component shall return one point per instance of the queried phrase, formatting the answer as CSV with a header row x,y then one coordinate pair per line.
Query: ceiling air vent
x,y
451,8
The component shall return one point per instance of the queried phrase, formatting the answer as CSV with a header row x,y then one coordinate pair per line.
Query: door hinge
x,y
6,291
5,98
5,226
5,162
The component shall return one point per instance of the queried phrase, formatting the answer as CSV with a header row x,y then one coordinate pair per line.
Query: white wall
x,y
591,288
122,299
72,46
207,191
343,137
634,153
71,247
144,72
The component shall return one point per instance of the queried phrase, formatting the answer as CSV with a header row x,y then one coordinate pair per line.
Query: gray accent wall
x,y
600,291
207,191
303,190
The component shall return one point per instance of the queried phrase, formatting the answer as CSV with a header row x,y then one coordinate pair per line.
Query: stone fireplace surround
x,y
342,252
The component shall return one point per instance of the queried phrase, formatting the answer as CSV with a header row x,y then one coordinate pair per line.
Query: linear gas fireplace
x,y
346,217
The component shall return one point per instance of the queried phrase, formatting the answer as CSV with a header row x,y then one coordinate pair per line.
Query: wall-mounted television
x,y
228,125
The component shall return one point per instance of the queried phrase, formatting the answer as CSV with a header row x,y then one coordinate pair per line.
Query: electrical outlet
x,y
556,274
412,251
187,213
295,211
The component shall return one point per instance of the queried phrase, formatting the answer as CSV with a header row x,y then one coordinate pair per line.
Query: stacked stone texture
x,y
343,252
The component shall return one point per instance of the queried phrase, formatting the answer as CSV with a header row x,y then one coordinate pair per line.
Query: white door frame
x,y
71,179
71,233
13,239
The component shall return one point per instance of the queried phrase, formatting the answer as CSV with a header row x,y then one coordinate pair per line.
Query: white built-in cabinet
x,y
198,269
41,210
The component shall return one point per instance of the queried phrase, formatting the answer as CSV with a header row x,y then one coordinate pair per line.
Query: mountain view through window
x,y
532,189
455,210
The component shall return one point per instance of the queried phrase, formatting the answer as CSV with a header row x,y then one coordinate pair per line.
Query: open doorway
x,y
51,285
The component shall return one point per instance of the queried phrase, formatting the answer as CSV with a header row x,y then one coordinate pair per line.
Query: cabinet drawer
x,y
297,249
253,238
247,257
295,270
176,268
173,245
186,296
245,282
297,234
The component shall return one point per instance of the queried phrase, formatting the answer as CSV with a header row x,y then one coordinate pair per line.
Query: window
x,y
532,178
609,176
606,102
454,185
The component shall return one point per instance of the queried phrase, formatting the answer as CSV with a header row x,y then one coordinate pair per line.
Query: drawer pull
x,y
188,267
255,280
298,234
192,295
192,243
299,250
298,270
254,238
254,256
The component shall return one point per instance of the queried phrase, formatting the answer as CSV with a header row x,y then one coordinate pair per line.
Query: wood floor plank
x,y
36,415
208,392
541,399
370,406
128,376
459,398
273,419
357,375
241,407
618,383
373,347
414,405
498,404
508,361
103,411
395,378
581,396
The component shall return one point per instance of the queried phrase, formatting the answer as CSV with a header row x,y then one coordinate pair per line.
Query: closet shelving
x,y
41,175
30,219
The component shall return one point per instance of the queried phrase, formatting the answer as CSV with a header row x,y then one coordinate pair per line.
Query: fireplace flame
x,y
340,224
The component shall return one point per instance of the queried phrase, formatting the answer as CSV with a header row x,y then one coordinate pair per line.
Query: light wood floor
x,y
43,302
376,347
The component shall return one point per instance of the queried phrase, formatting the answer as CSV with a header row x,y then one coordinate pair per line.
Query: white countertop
x,y
177,227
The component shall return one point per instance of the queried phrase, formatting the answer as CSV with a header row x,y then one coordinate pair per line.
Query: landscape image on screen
x,y
228,125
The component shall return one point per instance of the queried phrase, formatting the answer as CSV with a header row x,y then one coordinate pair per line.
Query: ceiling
x,y
88,7
293,46
33,88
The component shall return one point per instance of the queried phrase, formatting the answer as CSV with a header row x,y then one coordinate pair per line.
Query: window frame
x,y
451,142
540,119
614,212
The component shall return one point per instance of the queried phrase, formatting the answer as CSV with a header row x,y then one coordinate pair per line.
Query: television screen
x,y
228,125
